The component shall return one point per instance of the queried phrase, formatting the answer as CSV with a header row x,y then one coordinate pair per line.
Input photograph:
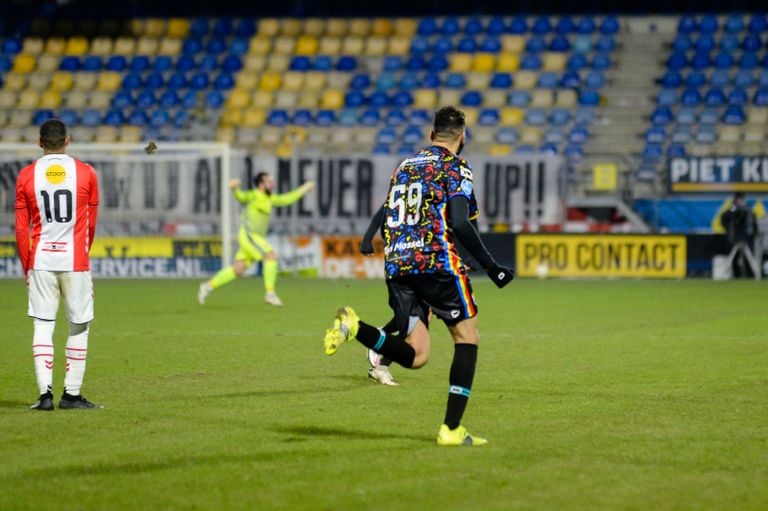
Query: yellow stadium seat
x,y
512,43
106,134
231,118
147,46
124,46
262,99
508,62
554,62
15,81
754,132
336,79
154,27
30,134
170,46
238,99
284,45
77,45
499,150
405,26
317,136
728,133
271,136
482,134
24,63
39,81
309,99
101,46
293,80
424,98
254,117
247,136
460,62
109,81
314,27
77,99
291,27
247,80
530,135
484,62
278,62
757,115
565,98
365,136
268,27
470,114
130,134
10,135
100,99
178,28
8,99
494,98
306,45
330,45
48,63
20,118
62,81
332,99
399,45
315,80
359,27
375,46
511,116
450,97
33,45
336,27
352,45
29,99
254,63
525,79
478,81
382,27
225,134
750,148
541,98
285,99
55,46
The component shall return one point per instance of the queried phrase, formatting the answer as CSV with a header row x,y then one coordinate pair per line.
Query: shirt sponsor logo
x,y
55,174
404,245
466,186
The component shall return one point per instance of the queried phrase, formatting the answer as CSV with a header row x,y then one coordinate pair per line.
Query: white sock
x,y
76,351
42,351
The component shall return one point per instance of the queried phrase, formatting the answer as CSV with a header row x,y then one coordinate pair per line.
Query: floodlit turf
x,y
594,395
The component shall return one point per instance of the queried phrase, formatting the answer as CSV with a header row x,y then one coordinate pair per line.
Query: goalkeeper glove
x,y
501,275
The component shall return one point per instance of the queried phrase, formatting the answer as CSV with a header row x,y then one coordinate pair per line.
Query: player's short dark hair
x,y
259,178
53,134
448,123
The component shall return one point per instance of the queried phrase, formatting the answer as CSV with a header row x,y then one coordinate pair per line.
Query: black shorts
x,y
449,296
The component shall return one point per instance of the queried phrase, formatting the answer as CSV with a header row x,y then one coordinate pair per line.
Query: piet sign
x,y
718,174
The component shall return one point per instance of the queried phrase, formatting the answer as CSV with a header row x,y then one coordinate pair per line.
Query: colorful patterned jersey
x,y
417,237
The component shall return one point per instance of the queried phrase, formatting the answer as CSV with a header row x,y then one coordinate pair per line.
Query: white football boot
x,y
378,372
272,299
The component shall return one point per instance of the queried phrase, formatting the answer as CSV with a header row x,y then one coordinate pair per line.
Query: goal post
x,y
179,190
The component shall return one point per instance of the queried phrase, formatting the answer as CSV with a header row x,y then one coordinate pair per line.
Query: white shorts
x,y
46,288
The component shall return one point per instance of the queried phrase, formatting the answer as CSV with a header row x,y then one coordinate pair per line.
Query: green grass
x,y
593,394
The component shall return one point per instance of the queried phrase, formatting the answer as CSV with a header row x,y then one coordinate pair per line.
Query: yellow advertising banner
x,y
601,255
342,259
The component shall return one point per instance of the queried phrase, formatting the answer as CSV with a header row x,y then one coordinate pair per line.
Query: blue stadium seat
x,y
450,27
198,81
442,45
471,98
690,97
570,80
676,151
490,45
723,60
519,98
192,46
222,27
12,46
386,136
69,117
224,81
6,63
169,99
705,43
114,117
117,63
605,43
501,81
762,76
208,63
548,80
300,63
714,97
589,98
757,24
609,25
474,26
346,63
576,62
216,45
671,79
518,25
154,81
409,81
720,78
706,134
582,44
496,26
159,118
380,149
655,135
419,117
455,81
378,99
761,96
246,28
302,117
677,60
682,42
386,81
594,80
548,148
709,115
70,63
405,149
585,25
685,115
232,64
40,116
466,45
743,78
554,135
667,97
145,99
695,79
430,81
748,60
687,25
189,99
278,117
541,26
198,27
751,43
415,63
438,63
177,81
92,63
729,42
325,118
402,99
370,117
239,46
122,99
734,24
584,115
132,81
488,117
701,60
661,116
354,99
530,62
574,152
734,115
681,134
507,135
420,46
738,96
412,135
323,63
185,63
560,116
91,117
427,27
565,25
536,117
162,64
362,81
395,117
579,134
535,45
652,153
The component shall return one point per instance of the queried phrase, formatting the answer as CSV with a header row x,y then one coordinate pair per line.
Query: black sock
x,y
389,328
390,345
461,376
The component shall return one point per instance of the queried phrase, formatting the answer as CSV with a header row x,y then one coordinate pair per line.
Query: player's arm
x,y
284,199
22,226
366,244
93,208
241,196
458,214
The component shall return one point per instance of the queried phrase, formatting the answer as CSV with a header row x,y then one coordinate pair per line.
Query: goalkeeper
x,y
257,207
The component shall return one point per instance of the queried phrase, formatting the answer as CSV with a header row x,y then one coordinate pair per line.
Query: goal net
x,y
169,213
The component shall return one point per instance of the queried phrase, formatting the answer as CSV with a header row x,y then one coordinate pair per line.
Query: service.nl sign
x,y
600,255
718,174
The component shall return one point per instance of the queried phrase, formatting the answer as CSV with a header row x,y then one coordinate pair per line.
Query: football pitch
x,y
593,395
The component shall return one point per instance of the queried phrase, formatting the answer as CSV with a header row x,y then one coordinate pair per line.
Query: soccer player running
x,y
254,224
430,202
57,201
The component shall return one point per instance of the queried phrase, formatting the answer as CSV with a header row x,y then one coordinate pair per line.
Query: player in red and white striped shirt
x,y
57,201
